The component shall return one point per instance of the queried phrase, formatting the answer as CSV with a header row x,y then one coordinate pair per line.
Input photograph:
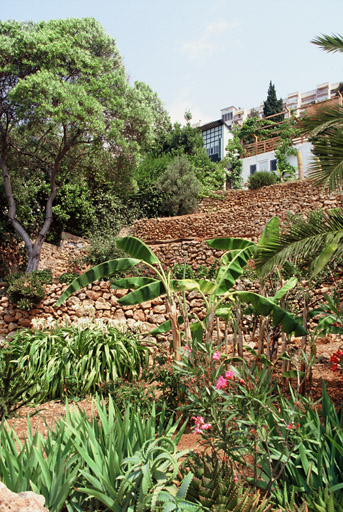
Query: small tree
x,y
234,152
180,186
272,105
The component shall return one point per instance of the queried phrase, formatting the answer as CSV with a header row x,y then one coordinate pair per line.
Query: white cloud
x,y
210,42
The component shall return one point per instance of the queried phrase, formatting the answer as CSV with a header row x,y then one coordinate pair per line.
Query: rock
x,y
139,315
93,295
22,502
113,300
24,322
12,327
159,309
102,304
8,318
121,293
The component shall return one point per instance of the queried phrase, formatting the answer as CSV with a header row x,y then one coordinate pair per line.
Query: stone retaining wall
x,y
96,301
239,213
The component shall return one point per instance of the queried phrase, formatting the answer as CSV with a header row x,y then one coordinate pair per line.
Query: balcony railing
x,y
261,146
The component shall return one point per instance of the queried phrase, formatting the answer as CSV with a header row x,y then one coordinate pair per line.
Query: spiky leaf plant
x,y
326,501
214,488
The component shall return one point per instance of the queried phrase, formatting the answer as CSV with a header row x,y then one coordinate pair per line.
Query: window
x,y
227,117
273,165
252,169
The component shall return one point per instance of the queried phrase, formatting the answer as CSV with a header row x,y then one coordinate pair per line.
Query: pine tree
x,y
272,105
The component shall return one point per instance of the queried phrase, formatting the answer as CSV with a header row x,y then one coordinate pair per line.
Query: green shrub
x,y
182,271
75,362
26,290
68,277
102,248
180,186
261,179
137,394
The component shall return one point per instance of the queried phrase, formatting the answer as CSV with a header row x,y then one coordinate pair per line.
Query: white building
x,y
260,156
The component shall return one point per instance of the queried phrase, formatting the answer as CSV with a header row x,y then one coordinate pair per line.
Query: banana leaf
x,y
265,307
132,283
148,292
137,249
100,271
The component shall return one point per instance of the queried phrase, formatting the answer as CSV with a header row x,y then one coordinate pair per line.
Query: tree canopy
x,y
65,100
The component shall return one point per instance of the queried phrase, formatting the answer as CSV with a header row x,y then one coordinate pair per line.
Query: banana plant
x,y
144,288
215,294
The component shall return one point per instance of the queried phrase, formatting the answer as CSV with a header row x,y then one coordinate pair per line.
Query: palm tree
x,y
318,236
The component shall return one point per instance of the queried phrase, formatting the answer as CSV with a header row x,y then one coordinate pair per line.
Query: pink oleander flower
x,y
229,375
200,424
235,478
221,383
216,356
187,348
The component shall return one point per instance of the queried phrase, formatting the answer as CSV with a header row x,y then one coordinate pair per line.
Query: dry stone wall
x,y
239,213
94,303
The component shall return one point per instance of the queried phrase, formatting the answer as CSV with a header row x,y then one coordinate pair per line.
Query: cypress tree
x,y
272,105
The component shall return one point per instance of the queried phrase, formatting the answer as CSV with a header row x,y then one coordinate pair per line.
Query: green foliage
x,y
26,290
147,473
67,277
261,179
81,463
69,112
102,247
163,376
272,105
234,151
214,488
106,447
134,393
314,456
315,239
180,187
74,362
285,170
15,391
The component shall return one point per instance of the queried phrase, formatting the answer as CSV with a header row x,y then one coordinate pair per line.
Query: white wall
x,y
262,161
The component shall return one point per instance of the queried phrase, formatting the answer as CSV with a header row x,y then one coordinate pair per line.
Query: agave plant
x,y
214,488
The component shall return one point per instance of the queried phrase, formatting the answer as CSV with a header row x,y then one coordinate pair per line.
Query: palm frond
x,y
322,119
303,239
325,130
326,168
330,44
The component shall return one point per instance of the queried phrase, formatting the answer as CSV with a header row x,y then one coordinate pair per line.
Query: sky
x,y
205,55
